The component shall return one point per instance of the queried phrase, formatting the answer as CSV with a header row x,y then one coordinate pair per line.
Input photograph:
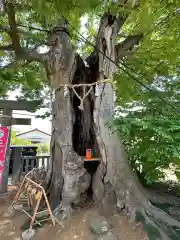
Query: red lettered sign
x,y
4,133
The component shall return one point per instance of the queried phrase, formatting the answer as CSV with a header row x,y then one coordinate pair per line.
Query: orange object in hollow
x,y
88,154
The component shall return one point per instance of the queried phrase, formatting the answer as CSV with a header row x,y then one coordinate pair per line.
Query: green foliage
x,y
31,82
151,132
31,78
152,232
150,135
42,147
19,141
158,54
157,20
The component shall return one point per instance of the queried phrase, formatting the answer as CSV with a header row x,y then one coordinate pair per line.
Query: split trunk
x,y
111,181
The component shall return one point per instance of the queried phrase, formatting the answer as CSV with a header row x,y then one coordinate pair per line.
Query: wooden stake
x,y
35,211
49,208
42,193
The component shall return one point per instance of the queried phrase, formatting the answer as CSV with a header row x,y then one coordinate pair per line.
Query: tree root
x,y
63,213
156,196
158,224
161,216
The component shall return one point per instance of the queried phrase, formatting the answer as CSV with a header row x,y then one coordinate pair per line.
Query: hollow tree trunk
x,y
116,172
73,130
68,177
114,178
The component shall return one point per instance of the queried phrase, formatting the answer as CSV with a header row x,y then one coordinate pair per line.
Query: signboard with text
x,y
4,134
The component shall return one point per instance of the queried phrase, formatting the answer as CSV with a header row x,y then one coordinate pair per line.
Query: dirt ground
x,y
76,229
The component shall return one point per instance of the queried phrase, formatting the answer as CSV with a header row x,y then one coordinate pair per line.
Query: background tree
x,y
42,147
121,27
19,141
150,131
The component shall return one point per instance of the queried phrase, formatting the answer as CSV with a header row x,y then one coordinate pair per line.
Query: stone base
x,y
98,225
28,234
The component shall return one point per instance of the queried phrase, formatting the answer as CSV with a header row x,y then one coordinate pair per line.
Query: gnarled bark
x,y
114,173
73,131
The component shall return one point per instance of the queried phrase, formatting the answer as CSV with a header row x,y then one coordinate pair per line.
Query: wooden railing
x,y
26,164
22,165
29,162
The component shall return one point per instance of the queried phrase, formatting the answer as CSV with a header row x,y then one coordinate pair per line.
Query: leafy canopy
x,y
151,132
158,53
42,147
19,141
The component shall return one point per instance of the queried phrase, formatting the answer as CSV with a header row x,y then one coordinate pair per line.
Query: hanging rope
x,y
85,91
85,94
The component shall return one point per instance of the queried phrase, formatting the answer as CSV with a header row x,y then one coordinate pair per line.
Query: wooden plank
x,y
34,157
16,171
92,159
38,160
43,158
48,163
26,165
15,121
22,165
19,105
5,121
32,161
21,121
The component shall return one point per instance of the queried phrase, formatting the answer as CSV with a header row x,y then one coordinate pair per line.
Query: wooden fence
x,y
26,164
21,165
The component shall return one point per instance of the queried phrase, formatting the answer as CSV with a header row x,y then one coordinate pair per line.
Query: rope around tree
x,y
85,91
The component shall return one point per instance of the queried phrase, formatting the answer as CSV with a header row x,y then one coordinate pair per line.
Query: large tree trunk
x,y
74,130
114,180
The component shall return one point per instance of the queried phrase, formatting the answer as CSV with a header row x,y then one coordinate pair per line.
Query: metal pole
x,y
16,166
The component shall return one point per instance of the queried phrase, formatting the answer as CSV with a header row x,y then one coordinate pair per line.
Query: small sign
x,y
4,133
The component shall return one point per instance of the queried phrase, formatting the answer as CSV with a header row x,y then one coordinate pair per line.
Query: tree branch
x,y
127,46
13,33
123,15
9,65
21,53
7,47
4,29
8,30
120,20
